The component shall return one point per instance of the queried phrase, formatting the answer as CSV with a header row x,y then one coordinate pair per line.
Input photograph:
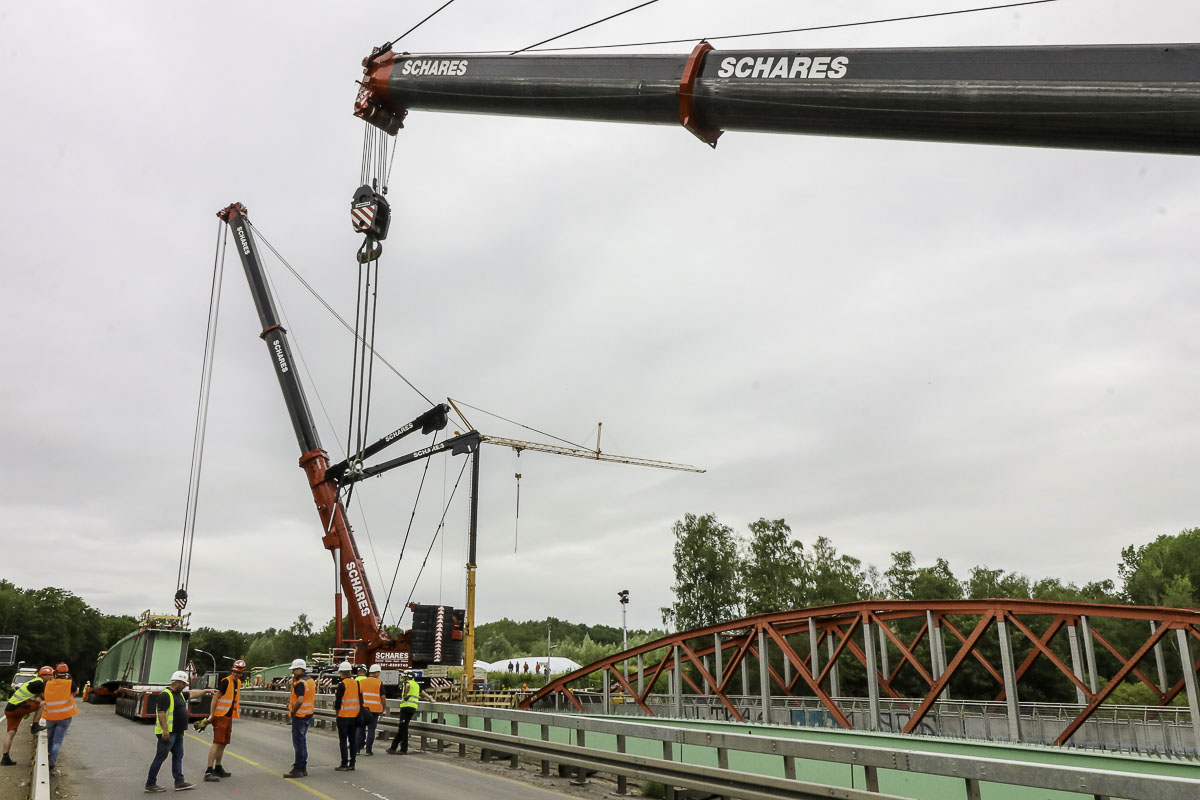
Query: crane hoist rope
x,y
201,426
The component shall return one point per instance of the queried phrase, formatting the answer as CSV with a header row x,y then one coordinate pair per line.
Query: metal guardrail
x,y
973,771
39,784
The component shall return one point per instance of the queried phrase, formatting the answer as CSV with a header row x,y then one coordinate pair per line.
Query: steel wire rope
x,y
422,22
585,27
692,39
335,314
522,425
436,533
408,532
198,434
295,342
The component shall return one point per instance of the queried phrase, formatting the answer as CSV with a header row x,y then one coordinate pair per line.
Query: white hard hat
x,y
375,668
179,675
299,664
345,666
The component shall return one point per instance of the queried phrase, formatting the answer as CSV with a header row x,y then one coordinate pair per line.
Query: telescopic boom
x,y
1138,98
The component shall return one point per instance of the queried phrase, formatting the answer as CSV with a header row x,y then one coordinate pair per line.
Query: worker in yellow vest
x,y
225,709
410,694
170,723
347,703
301,709
371,688
26,699
57,709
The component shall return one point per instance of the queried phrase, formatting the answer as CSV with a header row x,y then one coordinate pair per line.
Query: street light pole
x,y
210,655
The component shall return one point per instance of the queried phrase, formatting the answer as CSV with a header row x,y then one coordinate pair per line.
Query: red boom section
x,y
1005,642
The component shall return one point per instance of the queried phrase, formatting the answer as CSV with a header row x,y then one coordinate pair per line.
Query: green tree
x,y
984,582
707,583
836,578
775,573
1165,572
936,583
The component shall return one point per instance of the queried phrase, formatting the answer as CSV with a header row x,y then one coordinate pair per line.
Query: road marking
x,y
296,783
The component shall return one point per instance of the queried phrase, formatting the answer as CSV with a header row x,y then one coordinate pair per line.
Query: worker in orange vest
x,y
301,709
57,709
225,709
347,703
371,688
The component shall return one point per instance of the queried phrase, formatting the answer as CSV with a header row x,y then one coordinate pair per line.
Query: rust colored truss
x,y
844,634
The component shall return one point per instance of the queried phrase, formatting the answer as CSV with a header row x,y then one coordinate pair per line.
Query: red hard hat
x,y
47,670
62,667
239,666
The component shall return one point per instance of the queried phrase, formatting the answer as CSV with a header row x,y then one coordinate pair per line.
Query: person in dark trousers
x,y
25,700
408,707
370,688
170,722
347,704
301,709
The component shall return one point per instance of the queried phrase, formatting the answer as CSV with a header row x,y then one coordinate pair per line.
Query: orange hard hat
x,y
239,666
62,667
47,670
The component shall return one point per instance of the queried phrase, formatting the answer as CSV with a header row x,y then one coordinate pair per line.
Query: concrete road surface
x,y
106,756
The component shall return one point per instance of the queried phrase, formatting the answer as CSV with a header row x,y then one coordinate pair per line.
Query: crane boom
x,y
1138,98
592,455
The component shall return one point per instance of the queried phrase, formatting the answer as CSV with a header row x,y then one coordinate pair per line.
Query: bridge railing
x,y
744,765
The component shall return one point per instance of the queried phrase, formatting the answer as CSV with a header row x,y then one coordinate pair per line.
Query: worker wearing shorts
x,y
225,709
25,700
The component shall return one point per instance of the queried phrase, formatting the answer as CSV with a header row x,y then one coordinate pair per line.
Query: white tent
x,y
535,663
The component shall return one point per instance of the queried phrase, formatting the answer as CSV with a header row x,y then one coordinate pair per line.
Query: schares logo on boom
x,y
242,238
278,345
360,593
439,67
817,68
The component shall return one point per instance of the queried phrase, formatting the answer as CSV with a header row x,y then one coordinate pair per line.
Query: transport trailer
x,y
136,668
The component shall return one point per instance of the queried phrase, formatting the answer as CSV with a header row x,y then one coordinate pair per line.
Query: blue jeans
x,y
366,733
300,740
56,731
174,746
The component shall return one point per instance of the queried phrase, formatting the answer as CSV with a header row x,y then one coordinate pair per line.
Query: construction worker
x,y
408,707
302,706
57,710
25,700
347,704
225,709
371,689
170,722
87,689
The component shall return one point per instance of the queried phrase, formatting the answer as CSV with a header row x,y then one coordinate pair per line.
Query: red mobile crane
x,y
435,638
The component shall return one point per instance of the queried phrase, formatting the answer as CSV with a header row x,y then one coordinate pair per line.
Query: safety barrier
x,y
653,752
39,784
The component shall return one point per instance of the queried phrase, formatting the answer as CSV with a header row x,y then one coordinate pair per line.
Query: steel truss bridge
x,y
890,647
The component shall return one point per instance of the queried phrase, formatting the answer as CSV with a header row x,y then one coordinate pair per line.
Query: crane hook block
x,y
370,213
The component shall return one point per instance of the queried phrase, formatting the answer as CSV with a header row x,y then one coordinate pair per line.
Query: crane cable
x,y
201,426
403,545
583,27
436,533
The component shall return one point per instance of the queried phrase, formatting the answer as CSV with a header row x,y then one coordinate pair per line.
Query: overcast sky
x,y
984,354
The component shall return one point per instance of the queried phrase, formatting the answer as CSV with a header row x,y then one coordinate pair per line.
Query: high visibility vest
x,y
372,693
349,699
59,703
412,693
308,705
22,693
227,704
158,731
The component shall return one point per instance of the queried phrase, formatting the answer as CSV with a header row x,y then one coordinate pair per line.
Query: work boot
x,y
183,786
7,762
220,771
344,768
366,753
212,777
152,788
296,773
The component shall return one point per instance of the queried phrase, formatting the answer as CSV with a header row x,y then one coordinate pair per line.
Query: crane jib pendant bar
x,y
1138,98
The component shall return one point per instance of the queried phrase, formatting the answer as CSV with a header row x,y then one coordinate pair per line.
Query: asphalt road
x,y
106,756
